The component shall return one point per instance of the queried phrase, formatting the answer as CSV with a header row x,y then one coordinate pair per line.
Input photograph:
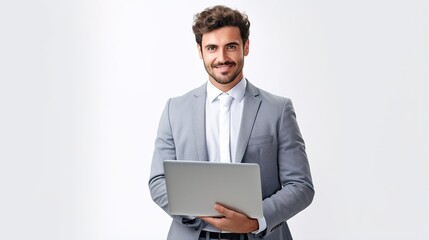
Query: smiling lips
x,y
224,66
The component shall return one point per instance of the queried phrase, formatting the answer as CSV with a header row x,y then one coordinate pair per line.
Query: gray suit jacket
x,y
269,136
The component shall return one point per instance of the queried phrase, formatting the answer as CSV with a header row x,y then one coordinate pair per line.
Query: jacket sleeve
x,y
297,190
165,149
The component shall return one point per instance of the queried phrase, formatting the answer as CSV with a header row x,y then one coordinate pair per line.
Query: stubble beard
x,y
224,79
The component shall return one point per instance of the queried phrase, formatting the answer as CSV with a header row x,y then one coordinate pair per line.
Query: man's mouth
x,y
224,66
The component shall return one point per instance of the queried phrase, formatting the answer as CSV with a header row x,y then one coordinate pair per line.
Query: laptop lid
x,y
193,187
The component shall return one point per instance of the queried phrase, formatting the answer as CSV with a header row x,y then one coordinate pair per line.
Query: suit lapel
x,y
252,102
199,112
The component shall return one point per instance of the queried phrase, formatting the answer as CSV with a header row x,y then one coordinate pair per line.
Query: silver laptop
x,y
193,187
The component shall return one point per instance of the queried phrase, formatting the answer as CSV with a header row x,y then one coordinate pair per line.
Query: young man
x,y
262,129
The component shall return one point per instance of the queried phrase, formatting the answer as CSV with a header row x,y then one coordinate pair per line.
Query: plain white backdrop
x,y
83,84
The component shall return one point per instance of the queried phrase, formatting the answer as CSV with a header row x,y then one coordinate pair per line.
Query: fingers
x,y
232,221
221,209
226,212
216,222
219,222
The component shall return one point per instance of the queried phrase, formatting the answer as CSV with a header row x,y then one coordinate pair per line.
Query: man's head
x,y
222,38
220,16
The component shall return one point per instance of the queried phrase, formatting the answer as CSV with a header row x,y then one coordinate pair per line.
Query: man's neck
x,y
226,87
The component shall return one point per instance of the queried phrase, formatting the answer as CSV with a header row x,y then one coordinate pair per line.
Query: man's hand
x,y
232,221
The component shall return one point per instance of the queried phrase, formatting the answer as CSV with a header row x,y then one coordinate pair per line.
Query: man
x,y
263,130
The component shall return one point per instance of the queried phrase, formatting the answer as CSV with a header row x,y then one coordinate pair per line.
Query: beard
x,y
224,78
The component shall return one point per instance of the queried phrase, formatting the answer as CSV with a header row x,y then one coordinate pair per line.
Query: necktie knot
x,y
225,100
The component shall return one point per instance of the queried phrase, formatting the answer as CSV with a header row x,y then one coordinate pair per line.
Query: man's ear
x,y
200,51
246,47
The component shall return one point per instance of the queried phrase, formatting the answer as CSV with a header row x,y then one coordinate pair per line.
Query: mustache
x,y
220,64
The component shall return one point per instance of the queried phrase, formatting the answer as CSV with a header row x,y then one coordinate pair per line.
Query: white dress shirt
x,y
212,118
212,128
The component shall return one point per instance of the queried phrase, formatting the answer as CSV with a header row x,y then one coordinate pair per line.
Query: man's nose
x,y
222,56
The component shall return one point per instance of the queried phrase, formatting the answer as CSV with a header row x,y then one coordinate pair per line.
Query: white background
x,y
83,84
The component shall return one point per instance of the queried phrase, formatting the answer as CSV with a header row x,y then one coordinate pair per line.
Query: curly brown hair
x,y
220,16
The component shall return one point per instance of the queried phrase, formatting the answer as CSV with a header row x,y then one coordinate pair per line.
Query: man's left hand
x,y
232,221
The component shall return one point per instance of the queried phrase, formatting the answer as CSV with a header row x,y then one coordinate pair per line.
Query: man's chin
x,y
224,82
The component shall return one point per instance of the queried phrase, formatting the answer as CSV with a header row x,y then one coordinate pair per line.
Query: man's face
x,y
223,54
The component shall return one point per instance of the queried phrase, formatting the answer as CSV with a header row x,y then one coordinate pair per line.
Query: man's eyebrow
x,y
210,45
228,44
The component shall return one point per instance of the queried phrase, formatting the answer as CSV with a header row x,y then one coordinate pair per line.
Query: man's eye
x,y
232,47
211,48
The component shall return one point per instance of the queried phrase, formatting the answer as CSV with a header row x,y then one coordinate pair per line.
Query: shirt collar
x,y
237,92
